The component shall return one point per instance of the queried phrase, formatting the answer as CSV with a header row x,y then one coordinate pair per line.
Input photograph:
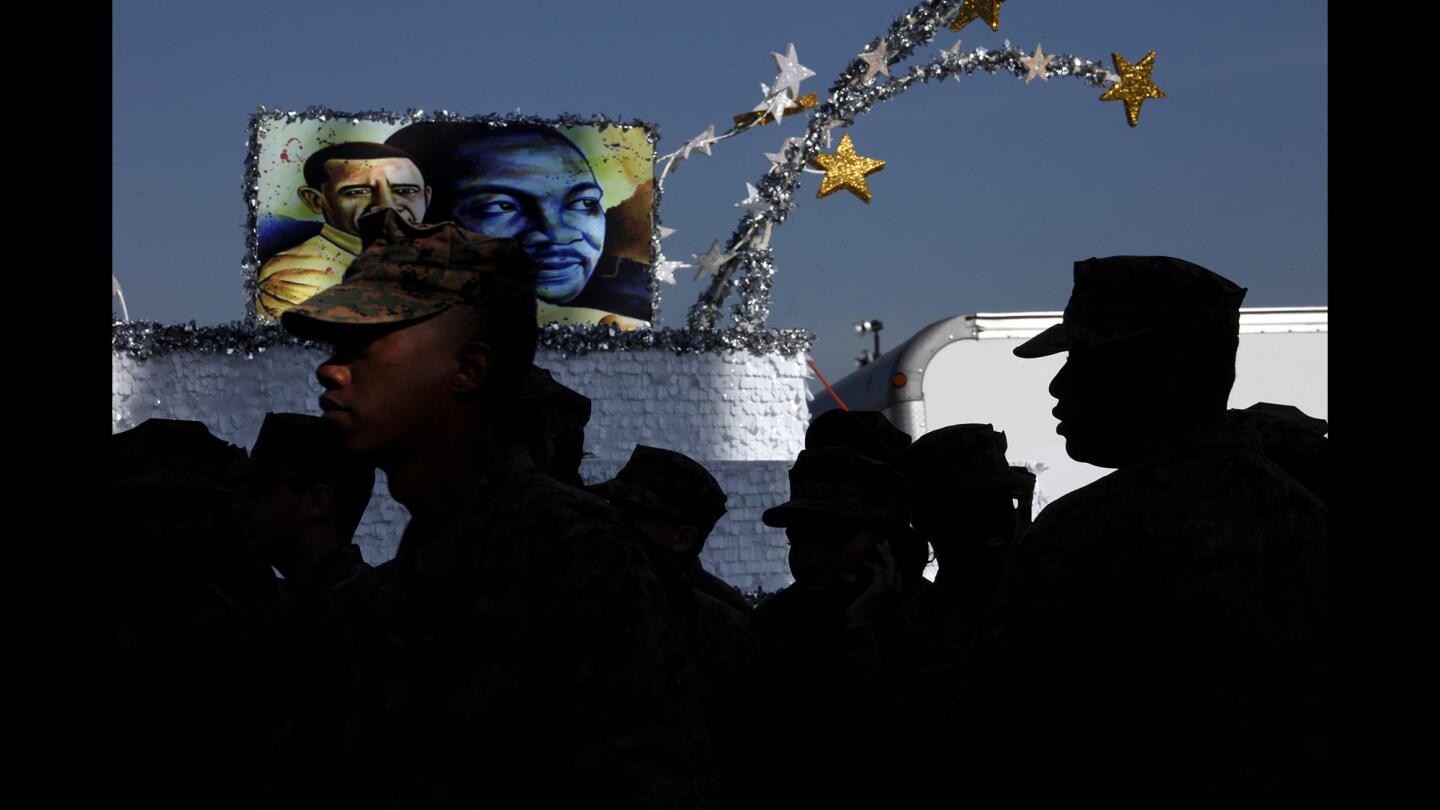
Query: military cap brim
x,y
1062,338
355,306
786,514
792,512
628,495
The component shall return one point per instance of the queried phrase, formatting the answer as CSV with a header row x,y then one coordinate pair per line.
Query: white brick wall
x,y
743,416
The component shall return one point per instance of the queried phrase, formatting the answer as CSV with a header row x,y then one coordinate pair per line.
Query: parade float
x,y
726,389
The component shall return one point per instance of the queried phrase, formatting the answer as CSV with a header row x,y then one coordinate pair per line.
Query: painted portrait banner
x,y
578,198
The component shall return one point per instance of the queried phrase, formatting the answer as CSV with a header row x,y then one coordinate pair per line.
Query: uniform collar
x,y
345,241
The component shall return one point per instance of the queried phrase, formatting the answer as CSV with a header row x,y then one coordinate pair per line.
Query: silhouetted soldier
x,y
870,434
675,503
1159,634
520,647
854,682
183,653
964,497
305,498
1294,440
548,419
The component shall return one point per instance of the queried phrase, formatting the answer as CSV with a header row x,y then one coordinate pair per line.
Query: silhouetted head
x,y
671,498
174,483
1294,440
1151,343
842,505
301,478
433,330
962,487
548,419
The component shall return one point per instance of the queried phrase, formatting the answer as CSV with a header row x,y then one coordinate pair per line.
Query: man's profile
x,y
343,182
531,183
522,642
1172,615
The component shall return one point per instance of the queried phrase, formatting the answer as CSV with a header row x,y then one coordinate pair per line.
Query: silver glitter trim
x,y
144,340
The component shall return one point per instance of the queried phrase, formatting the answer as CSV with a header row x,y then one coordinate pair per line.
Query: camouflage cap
x,y
541,392
838,482
409,272
294,445
959,458
1121,297
868,433
178,454
667,483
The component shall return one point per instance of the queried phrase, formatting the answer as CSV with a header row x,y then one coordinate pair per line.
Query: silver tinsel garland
x,y
147,339
847,100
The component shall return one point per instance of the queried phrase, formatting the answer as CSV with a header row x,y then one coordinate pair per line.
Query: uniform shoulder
x,y
567,526
775,604
713,611
717,588
567,503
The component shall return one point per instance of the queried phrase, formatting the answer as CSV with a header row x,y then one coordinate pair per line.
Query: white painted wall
x,y
741,415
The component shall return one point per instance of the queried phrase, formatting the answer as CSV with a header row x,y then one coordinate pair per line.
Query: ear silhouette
x,y
472,368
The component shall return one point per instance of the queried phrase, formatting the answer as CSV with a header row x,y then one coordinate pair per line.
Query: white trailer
x,y
962,370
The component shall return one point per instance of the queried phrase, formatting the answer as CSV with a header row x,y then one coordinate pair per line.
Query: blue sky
x,y
992,187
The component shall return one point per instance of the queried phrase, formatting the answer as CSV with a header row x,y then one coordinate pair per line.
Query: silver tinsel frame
x,y
847,100
263,118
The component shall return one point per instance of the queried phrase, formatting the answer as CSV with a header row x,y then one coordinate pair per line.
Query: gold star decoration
x,y
761,117
987,10
1135,85
846,170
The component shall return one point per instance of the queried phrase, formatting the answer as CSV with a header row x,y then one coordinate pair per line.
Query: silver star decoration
x,y
711,260
700,142
776,104
666,233
875,62
955,52
753,202
764,98
778,158
1036,67
791,72
665,270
